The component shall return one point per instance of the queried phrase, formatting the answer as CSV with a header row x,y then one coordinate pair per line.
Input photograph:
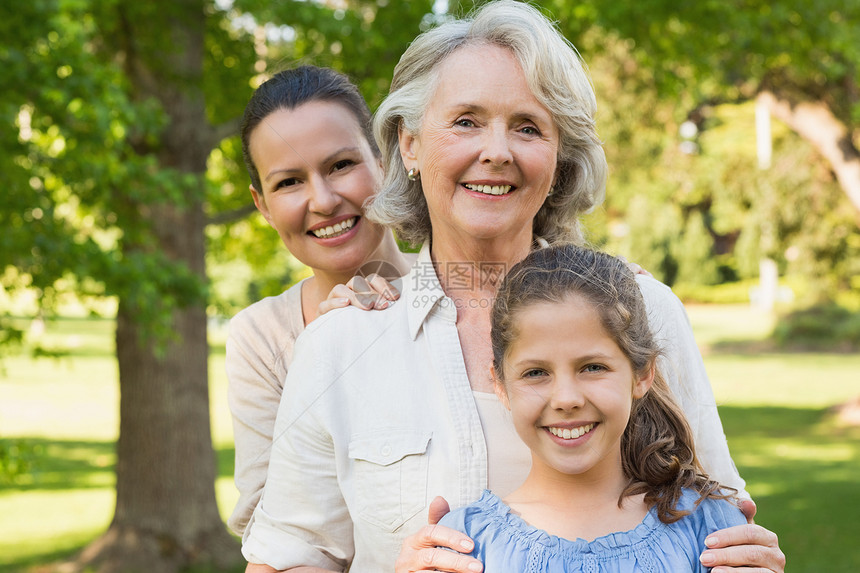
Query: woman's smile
x,y
334,228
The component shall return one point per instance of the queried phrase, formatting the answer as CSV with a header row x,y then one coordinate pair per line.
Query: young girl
x,y
614,484
313,163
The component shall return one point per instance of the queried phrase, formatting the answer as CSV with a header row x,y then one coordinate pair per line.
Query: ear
x,y
642,383
499,387
260,203
408,148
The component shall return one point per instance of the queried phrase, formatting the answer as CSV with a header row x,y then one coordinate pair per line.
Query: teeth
x,y
335,230
571,433
489,189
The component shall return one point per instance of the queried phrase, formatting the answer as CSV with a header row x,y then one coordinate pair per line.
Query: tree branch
x,y
816,123
227,129
231,216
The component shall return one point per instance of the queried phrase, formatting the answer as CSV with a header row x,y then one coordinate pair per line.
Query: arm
x,y
255,364
302,519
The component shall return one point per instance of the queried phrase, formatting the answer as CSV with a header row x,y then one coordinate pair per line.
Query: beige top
x,y
505,450
259,351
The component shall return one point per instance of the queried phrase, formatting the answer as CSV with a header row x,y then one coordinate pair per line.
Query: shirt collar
x,y
422,291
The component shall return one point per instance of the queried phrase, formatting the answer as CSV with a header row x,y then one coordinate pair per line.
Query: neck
x,y
592,490
467,267
577,506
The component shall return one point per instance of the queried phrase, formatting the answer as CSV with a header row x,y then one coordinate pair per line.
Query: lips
x,y
335,230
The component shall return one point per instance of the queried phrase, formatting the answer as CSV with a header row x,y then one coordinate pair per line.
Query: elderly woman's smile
x,y
489,189
486,151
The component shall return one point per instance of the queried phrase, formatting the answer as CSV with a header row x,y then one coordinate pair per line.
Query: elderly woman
x,y
490,151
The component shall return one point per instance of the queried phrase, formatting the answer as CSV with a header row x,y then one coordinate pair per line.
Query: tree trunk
x,y
814,121
166,515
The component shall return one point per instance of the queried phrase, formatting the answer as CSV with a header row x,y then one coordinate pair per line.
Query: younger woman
x,y
313,163
615,484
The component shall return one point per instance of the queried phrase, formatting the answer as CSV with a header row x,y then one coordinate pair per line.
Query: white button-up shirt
x,y
378,417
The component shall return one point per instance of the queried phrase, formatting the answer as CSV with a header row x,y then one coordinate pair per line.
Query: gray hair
x,y
556,76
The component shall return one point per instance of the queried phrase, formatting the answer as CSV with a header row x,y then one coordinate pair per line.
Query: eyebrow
x,y
481,109
276,171
328,159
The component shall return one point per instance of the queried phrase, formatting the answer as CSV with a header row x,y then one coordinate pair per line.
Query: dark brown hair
x,y
657,449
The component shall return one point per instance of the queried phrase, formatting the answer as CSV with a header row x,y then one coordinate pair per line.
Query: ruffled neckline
x,y
621,542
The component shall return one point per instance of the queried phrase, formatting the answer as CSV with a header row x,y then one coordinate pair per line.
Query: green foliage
x,y
827,327
362,38
694,253
17,459
659,63
724,293
78,182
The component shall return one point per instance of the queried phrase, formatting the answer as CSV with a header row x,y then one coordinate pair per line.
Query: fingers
x,y
438,508
438,548
748,508
382,287
437,559
636,269
742,535
364,295
374,292
743,548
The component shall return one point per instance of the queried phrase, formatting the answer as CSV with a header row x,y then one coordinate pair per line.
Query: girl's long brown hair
x,y
657,451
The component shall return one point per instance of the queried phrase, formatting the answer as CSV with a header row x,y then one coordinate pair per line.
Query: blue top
x,y
506,544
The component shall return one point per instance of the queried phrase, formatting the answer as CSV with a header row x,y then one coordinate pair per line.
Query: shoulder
x,y
351,324
481,520
658,296
666,313
468,519
711,513
276,316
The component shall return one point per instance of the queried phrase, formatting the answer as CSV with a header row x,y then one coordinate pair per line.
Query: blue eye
x,y
594,368
530,130
534,373
465,123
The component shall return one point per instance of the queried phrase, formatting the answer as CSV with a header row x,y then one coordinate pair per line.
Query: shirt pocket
x,y
390,475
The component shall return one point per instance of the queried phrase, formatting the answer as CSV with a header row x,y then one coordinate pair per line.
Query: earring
x,y
413,174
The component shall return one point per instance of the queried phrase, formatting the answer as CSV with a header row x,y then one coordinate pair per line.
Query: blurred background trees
x,y
123,182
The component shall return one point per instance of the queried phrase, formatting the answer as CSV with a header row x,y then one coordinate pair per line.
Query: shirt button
x,y
386,450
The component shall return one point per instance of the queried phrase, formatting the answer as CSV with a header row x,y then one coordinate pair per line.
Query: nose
x,y
566,394
323,198
496,149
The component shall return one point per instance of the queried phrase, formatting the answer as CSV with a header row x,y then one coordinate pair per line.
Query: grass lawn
x,y
58,422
